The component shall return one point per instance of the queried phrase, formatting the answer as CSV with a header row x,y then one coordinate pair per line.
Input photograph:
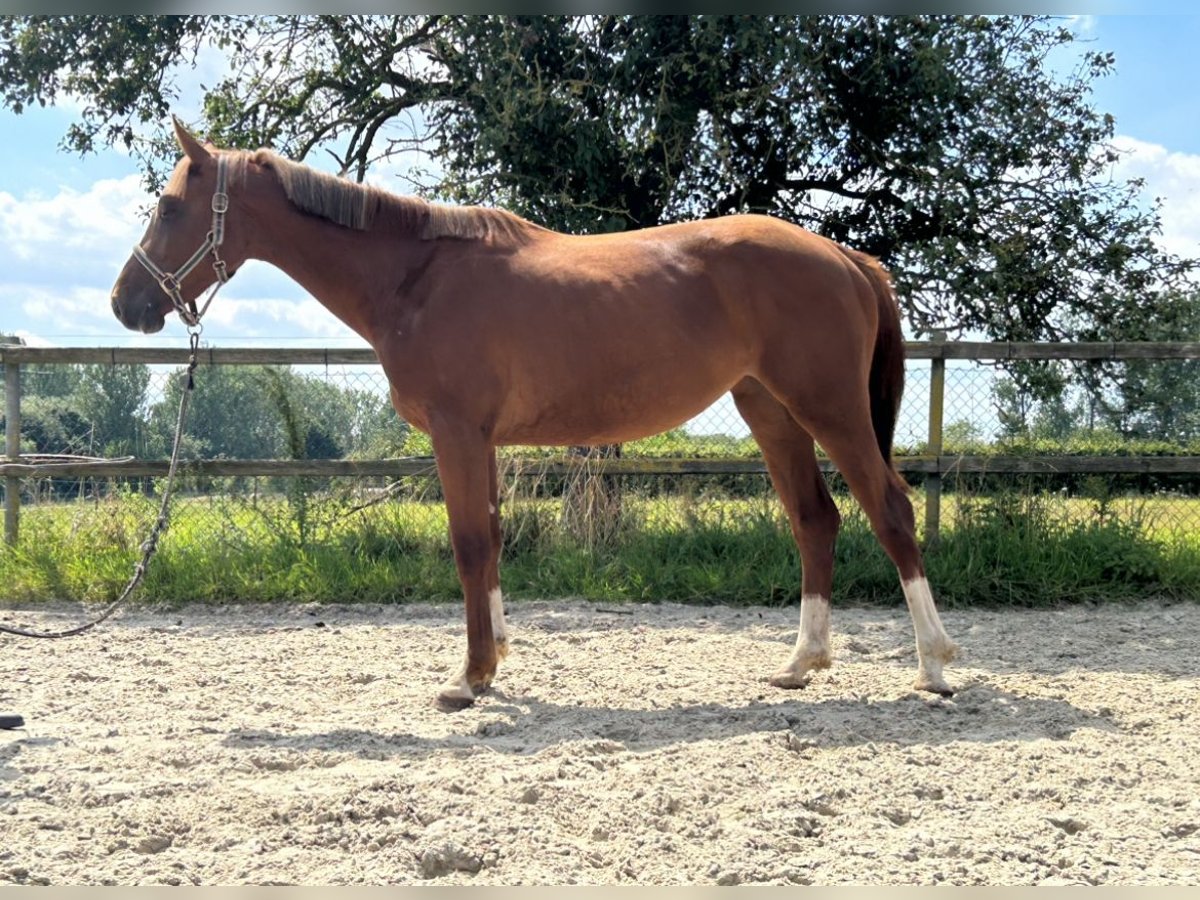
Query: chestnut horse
x,y
494,331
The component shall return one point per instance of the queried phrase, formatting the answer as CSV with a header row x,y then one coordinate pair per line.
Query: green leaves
x,y
118,66
947,145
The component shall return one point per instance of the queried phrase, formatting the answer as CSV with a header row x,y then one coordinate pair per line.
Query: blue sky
x,y
1153,92
67,223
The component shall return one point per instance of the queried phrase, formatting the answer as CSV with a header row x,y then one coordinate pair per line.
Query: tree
x,y
230,415
1038,398
111,399
299,84
51,425
270,412
1150,398
947,145
50,419
961,435
944,145
50,381
351,414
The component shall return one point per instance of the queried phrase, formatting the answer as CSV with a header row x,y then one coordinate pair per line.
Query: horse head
x,y
187,227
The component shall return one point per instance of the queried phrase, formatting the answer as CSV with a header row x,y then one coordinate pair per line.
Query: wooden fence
x,y
933,464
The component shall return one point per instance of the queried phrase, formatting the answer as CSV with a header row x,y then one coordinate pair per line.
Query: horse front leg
x,y
463,458
495,595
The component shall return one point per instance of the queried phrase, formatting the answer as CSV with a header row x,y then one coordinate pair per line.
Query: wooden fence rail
x,y
932,465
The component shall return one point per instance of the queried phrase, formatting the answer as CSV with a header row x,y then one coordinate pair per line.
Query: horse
x,y
495,331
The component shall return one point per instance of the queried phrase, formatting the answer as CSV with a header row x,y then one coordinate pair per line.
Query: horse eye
x,y
168,208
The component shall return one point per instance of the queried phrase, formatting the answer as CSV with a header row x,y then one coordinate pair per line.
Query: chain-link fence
x,y
303,446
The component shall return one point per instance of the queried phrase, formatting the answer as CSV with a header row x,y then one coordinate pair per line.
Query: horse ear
x,y
191,147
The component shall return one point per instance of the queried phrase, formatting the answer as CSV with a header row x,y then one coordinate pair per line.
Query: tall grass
x,y
1008,549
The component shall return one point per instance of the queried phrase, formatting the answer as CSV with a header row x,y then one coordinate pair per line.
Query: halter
x,y
170,281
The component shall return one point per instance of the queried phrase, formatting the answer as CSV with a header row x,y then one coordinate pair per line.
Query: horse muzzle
x,y
138,314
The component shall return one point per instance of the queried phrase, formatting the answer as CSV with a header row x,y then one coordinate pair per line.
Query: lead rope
x,y
150,545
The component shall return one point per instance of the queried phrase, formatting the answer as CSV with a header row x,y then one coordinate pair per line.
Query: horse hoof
x,y
453,702
456,694
934,686
789,680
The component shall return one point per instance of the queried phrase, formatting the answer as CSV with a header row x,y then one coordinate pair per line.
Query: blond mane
x,y
364,207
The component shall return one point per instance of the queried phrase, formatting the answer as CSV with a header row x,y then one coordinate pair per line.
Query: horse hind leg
x,y
934,646
791,461
850,442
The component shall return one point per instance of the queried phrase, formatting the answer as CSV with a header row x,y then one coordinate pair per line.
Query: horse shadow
x,y
526,725
8,753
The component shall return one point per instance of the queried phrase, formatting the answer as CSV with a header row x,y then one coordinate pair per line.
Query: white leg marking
x,y
934,646
812,644
499,626
457,691
491,509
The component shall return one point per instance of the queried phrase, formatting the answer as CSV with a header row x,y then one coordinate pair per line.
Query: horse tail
x,y
886,379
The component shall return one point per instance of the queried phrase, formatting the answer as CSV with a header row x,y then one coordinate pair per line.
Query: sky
x,y
67,223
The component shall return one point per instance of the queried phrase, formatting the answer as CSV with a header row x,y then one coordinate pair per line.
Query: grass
x,y
1010,549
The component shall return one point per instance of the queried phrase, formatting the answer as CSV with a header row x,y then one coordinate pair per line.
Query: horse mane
x,y
365,207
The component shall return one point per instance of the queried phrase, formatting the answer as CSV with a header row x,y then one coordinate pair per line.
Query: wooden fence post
x,y
12,449
937,407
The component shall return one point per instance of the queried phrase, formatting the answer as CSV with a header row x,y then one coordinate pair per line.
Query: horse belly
x,y
625,406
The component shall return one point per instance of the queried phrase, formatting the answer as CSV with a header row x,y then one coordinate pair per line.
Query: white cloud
x,y
1173,178
72,226
52,314
62,253
54,309
1084,25
32,340
263,317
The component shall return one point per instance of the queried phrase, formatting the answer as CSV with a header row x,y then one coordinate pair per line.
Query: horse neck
x,y
345,270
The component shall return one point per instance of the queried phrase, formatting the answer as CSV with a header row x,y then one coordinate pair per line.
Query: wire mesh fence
x,y
996,442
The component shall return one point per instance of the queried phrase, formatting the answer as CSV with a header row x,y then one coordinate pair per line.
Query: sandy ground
x,y
299,745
